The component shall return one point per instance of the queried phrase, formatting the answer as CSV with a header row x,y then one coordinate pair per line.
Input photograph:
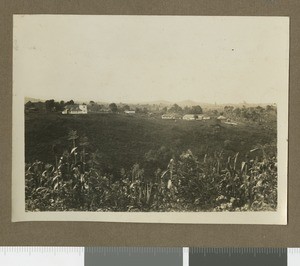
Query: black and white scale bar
x,y
144,256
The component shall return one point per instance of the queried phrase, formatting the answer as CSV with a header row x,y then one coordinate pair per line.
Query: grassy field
x,y
123,140
212,168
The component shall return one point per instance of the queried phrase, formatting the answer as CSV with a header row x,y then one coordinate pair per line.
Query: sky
x,y
151,58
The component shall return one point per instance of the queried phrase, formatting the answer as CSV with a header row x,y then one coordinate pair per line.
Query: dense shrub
x,y
78,183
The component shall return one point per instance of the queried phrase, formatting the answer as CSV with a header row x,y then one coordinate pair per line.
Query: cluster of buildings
x,y
227,121
75,109
185,117
193,117
82,109
129,112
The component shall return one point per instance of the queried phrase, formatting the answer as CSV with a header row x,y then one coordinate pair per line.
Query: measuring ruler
x,y
148,256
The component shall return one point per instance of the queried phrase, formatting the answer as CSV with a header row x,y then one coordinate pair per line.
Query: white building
x,y
75,109
129,112
193,117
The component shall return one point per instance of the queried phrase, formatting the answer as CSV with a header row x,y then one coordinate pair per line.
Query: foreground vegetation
x,y
118,162
77,182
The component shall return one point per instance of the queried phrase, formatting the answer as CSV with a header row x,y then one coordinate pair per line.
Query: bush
x,y
78,183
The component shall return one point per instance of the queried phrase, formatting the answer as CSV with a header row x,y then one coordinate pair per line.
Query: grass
x,y
115,162
123,140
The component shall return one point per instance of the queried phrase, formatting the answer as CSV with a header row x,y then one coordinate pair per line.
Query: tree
x,y
228,109
94,107
270,108
237,111
145,110
29,104
186,110
196,109
175,109
58,107
126,107
71,102
50,105
113,107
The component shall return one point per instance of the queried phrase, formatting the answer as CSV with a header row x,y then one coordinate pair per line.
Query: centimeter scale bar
x,y
148,256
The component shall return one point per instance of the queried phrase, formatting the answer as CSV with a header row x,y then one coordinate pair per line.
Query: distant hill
x,y
169,103
162,102
159,102
165,103
187,103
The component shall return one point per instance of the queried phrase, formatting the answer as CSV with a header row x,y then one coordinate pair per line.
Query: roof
x,y
73,107
192,115
129,112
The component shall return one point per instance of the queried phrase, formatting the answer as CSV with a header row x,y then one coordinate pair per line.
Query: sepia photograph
x,y
164,119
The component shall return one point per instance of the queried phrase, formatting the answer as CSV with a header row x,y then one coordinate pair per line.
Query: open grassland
x,y
123,140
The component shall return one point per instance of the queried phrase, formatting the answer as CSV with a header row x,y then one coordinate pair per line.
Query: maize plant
x,y
76,182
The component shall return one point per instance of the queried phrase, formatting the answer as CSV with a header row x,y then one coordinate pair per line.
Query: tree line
x,y
58,106
255,114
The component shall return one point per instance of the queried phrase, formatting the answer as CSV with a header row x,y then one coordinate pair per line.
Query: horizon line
x,y
28,98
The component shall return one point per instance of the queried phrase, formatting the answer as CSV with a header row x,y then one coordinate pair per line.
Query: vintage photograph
x,y
150,118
